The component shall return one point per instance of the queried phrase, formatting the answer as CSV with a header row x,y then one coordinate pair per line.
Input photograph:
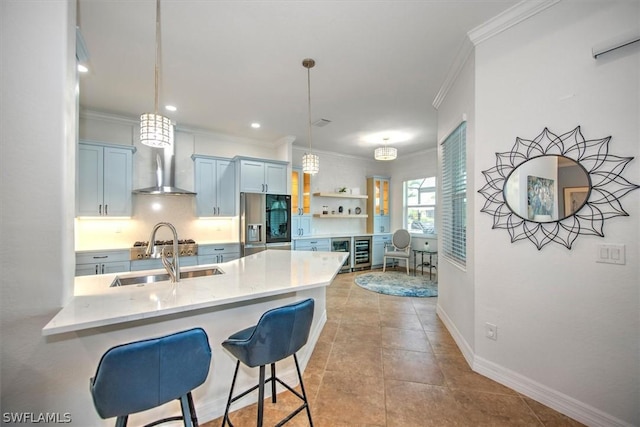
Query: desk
x,y
429,252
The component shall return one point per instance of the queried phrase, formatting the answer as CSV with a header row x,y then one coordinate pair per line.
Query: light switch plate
x,y
611,254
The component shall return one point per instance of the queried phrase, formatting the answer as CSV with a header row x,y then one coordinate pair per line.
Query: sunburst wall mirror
x,y
555,187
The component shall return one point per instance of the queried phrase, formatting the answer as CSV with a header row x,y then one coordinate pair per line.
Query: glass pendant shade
x,y
155,130
386,153
310,164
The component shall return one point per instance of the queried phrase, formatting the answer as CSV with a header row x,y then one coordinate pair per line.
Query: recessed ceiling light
x,y
82,68
170,108
255,125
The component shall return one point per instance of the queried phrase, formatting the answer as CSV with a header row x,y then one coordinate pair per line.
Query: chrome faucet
x,y
173,267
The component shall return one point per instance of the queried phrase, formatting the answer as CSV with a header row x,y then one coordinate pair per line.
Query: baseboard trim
x,y
463,345
554,399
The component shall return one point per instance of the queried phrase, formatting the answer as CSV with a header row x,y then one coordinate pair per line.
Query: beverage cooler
x,y
362,252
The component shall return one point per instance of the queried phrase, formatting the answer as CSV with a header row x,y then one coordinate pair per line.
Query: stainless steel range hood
x,y
165,177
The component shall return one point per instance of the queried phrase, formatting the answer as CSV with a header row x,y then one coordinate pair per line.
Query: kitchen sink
x,y
163,277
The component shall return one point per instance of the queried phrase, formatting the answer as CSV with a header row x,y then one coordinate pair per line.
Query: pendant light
x,y
155,130
310,162
385,153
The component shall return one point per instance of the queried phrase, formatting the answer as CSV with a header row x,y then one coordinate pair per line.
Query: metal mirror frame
x,y
604,171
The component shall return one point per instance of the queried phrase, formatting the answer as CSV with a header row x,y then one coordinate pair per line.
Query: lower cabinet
x,y
156,263
118,261
301,225
379,242
101,262
214,254
312,245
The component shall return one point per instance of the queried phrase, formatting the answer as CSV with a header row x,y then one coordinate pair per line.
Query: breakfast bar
x,y
100,316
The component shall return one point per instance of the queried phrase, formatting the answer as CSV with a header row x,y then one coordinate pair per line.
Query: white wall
x,y
337,171
38,105
568,327
456,287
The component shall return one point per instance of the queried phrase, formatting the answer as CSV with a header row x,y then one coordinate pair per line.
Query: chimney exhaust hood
x,y
165,177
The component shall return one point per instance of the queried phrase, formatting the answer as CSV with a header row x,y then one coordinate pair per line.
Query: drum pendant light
x,y
156,130
310,162
385,153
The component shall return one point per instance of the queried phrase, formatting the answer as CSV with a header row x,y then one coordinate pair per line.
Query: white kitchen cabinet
x,y
379,242
379,220
101,262
217,253
300,203
301,225
258,176
156,263
312,245
215,186
104,181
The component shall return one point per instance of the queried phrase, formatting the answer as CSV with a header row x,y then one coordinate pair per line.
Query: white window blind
x,y
454,196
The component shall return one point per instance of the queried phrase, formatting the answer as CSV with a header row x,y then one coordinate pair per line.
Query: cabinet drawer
x,y
101,268
93,257
313,245
218,258
218,249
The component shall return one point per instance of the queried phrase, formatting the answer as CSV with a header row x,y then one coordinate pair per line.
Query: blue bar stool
x,y
144,374
280,333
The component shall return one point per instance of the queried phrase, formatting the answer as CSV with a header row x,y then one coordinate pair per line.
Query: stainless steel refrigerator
x,y
265,222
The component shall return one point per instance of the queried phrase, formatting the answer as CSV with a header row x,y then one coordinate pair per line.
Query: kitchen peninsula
x,y
99,317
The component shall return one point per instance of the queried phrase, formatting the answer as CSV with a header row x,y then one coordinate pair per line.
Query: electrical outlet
x,y
491,331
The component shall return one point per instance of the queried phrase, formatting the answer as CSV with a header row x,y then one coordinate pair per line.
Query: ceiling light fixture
x,y
385,153
255,125
310,162
155,130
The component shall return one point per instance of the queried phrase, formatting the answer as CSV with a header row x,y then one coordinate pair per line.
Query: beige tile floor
x,y
389,361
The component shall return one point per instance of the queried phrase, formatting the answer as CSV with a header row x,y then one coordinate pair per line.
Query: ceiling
x,y
226,64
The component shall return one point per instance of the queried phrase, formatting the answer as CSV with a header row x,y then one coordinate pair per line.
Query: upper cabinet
x,y
215,185
300,192
379,220
300,203
104,180
257,176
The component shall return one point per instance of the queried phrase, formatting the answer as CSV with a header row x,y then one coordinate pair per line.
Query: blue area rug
x,y
399,284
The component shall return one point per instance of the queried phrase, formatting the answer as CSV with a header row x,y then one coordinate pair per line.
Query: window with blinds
x,y
454,196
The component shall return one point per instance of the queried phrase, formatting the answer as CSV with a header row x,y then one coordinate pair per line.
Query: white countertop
x,y
332,235
264,274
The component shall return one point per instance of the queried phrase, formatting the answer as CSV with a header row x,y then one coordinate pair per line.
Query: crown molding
x,y
460,59
507,19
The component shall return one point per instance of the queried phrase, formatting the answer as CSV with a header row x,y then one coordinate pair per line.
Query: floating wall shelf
x,y
340,216
342,195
